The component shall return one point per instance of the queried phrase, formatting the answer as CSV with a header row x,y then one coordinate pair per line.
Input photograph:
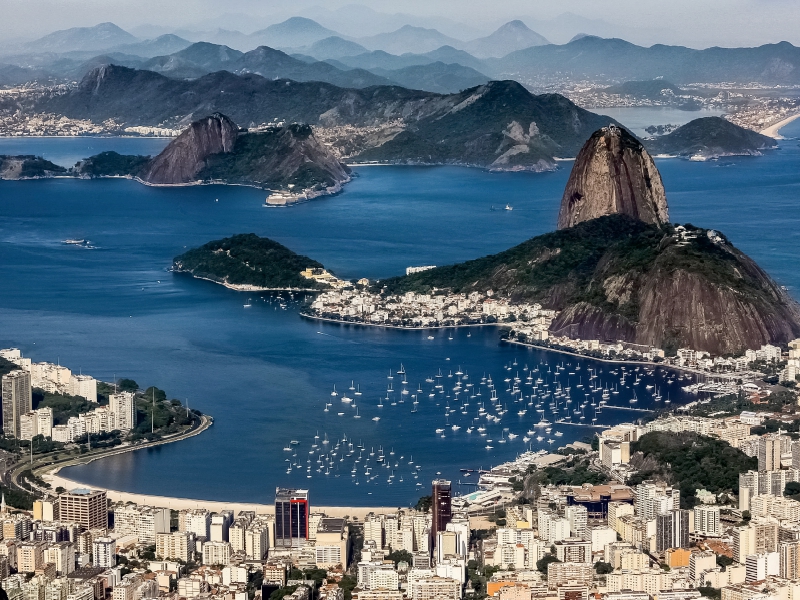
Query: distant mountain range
x,y
514,51
297,34
512,36
99,37
617,60
202,58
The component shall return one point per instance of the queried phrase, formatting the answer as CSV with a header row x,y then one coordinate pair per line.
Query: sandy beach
x,y
773,131
56,480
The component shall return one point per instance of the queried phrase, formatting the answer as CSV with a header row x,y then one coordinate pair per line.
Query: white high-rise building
x,y
236,534
150,522
44,421
84,386
198,521
256,541
103,552
178,545
373,529
62,555
28,426
216,553
699,563
759,566
706,521
123,411
577,516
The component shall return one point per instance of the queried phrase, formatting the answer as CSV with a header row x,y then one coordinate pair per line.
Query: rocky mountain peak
x,y
613,174
185,156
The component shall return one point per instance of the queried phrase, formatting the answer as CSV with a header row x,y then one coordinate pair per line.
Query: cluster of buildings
x,y
77,546
524,334
565,542
20,420
733,367
760,112
321,275
53,378
442,309
49,124
153,131
792,370
346,141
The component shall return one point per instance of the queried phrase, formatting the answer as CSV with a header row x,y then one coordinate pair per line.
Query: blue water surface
x,y
266,374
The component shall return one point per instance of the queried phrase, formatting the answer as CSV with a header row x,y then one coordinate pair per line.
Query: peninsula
x,y
73,418
214,149
616,269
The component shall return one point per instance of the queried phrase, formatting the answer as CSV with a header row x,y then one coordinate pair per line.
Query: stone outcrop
x,y
277,157
680,307
613,174
186,155
214,149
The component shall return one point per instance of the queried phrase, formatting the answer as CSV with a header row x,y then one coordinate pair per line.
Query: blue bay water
x,y
264,373
639,118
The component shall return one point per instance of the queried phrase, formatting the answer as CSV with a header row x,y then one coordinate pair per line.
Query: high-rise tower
x,y
291,517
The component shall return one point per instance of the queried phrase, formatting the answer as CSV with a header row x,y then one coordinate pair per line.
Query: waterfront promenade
x,y
56,480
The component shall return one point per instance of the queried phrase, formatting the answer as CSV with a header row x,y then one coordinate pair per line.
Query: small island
x,y
27,166
247,262
708,138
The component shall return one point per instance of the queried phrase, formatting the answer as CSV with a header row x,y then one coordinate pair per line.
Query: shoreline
x,y
619,362
52,475
524,344
243,287
401,327
773,131
177,503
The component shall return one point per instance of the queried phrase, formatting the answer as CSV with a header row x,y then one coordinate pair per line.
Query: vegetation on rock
x,y
247,259
691,462
111,164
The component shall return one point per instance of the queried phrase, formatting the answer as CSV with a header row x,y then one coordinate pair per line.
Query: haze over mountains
x,y
302,49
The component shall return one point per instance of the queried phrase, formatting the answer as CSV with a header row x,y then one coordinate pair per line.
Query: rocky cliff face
x,y
214,149
613,174
676,303
186,155
279,158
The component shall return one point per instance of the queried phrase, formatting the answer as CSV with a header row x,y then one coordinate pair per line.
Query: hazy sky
x,y
698,23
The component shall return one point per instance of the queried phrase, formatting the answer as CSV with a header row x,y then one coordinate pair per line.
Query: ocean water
x,y
66,151
639,118
266,375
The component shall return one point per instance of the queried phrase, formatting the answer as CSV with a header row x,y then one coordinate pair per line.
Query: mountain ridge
x,y
498,125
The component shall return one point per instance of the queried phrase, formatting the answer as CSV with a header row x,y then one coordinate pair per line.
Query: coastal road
x,y
47,463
